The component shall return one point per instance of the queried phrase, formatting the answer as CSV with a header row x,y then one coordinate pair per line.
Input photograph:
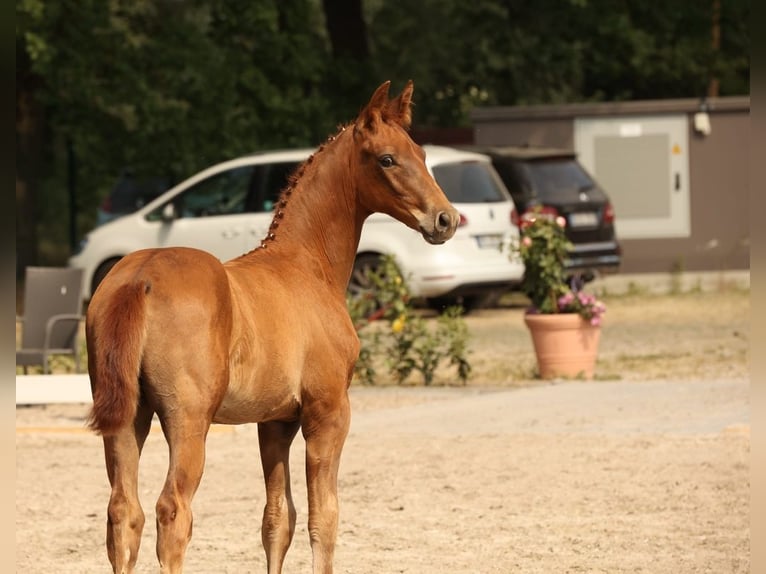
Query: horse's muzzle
x,y
440,227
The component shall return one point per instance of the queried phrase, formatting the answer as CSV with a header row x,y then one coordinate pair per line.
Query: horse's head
x,y
392,176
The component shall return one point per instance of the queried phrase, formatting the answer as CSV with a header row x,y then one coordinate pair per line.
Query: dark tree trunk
x,y
29,150
715,43
347,29
351,75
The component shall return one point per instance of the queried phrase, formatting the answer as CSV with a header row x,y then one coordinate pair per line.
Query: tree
x,y
163,87
489,52
351,77
29,136
168,87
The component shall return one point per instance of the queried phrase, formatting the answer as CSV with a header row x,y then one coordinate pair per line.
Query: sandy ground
x,y
569,477
646,472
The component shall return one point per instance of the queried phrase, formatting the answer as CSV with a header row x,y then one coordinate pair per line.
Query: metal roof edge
x,y
557,111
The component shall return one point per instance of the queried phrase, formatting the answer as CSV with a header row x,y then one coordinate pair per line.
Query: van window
x,y
469,182
273,180
220,194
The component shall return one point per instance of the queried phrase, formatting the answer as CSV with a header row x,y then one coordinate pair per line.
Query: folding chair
x,y
52,314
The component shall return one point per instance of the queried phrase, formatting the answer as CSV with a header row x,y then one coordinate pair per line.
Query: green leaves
x,y
169,87
544,248
400,338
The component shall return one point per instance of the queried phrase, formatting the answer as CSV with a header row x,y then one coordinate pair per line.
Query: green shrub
x,y
394,335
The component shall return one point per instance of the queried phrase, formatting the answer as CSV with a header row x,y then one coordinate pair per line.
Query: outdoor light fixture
x,y
702,120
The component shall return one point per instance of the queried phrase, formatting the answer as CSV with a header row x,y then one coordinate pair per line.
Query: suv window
x,y
550,177
468,182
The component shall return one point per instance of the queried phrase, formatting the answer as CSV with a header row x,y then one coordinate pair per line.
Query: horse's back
x,y
179,284
170,269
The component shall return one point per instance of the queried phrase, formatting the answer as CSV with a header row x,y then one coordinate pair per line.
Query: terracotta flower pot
x,y
566,345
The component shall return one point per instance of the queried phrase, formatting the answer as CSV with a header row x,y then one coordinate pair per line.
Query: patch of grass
x,y
513,299
653,357
598,375
636,290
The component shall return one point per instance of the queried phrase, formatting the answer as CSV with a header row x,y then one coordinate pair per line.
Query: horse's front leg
x,y
325,427
278,525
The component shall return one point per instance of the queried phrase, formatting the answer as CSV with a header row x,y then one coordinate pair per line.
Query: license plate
x,y
584,219
492,241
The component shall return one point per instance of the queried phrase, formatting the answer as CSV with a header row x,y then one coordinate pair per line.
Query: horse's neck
x,y
316,223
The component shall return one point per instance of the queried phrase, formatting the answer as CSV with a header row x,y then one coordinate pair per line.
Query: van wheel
x,y
467,302
102,271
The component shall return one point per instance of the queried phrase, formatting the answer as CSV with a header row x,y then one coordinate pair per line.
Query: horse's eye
x,y
386,160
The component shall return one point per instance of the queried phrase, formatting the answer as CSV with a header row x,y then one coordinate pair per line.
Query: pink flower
x,y
585,299
561,221
566,300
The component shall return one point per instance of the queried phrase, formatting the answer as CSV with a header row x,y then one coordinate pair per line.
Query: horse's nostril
x,y
443,221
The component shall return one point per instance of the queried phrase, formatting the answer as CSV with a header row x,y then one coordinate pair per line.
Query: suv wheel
x,y
359,284
578,280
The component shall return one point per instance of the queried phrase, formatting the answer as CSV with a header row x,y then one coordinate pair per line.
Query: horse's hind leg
x,y
125,518
185,431
278,525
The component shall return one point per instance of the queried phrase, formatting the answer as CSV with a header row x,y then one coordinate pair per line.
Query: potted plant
x,y
565,322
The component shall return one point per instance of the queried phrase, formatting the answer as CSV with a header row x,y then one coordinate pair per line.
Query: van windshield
x,y
469,182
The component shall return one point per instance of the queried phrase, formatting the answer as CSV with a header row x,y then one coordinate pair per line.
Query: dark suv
x,y
553,181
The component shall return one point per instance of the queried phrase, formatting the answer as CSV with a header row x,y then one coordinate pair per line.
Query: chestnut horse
x,y
264,338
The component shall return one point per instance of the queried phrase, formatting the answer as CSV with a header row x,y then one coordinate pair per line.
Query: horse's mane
x,y
292,182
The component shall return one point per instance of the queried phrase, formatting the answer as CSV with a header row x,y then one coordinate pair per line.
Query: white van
x,y
226,210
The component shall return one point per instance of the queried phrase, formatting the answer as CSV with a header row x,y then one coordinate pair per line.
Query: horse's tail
x,y
115,346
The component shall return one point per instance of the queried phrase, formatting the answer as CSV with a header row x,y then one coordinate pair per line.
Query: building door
x,y
643,164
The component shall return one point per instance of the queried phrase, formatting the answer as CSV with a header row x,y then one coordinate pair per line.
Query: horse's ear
x,y
380,98
401,107
373,111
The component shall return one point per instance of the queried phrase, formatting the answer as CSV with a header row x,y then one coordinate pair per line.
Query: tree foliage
x,y
169,87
